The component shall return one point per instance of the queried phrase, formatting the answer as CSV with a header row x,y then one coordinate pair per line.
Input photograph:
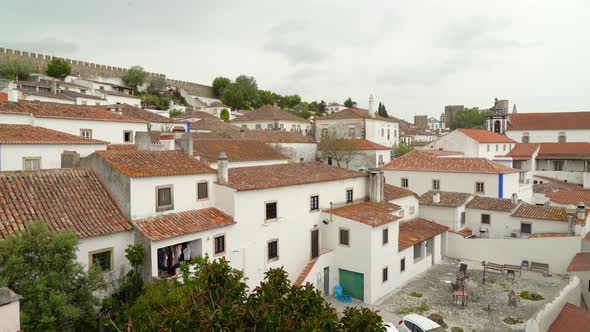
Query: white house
x,y
434,123
215,109
25,147
362,153
549,127
413,136
474,143
423,171
269,117
334,107
445,208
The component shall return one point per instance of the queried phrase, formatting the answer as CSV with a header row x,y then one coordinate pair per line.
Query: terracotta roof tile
x,y
441,152
485,136
358,144
136,113
269,113
542,121
236,150
354,113
119,94
553,213
572,150
391,192
491,204
182,223
417,160
369,213
447,198
64,199
580,262
154,163
192,114
26,134
282,175
417,230
119,147
49,95
570,197
63,111
216,125
523,151
552,184
74,94
571,318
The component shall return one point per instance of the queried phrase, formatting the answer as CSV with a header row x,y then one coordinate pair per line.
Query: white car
x,y
389,327
417,323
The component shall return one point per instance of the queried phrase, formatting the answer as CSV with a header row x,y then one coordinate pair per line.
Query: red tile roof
x,y
137,113
354,113
552,184
580,262
236,150
485,136
492,204
192,114
441,152
369,213
417,230
64,199
358,144
216,125
391,192
553,213
570,197
119,147
447,198
218,104
269,113
275,136
420,161
571,318
63,111
542,121
523,151
182,223
26,134
283,175
154,163
573,150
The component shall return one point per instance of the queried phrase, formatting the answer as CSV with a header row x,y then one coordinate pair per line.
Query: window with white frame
x,y
486,219
128,136
479,187
525,138
417,251
436,184
314,203
273,250
31,163
258,126
526,228
384,274
412,209
202,190
86,133
561,137
164,198
349,195
344,236
385,235
405,182
219,244
270,211
351,133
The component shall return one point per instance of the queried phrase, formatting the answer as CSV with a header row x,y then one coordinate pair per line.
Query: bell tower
x,y
497,117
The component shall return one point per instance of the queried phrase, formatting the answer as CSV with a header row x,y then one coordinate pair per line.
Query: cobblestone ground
x,y
488,303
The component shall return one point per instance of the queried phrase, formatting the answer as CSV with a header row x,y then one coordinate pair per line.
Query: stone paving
x,y
488,303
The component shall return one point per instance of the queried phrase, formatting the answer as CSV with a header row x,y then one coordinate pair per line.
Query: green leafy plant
x,y
531,296
15,69
415,294
224,115
58,68
456,329
422,307
175,112
361,319
134,77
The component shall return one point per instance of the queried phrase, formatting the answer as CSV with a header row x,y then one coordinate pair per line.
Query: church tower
x,y
497,117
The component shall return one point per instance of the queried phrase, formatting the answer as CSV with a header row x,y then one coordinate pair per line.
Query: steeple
x,y
514,111
371,110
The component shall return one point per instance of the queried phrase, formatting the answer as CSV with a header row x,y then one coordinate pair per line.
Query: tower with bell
x,y
497,117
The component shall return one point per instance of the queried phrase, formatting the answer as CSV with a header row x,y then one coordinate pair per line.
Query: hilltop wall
x,y
91,70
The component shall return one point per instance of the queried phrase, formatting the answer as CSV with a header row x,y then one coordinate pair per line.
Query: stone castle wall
x,y
91,70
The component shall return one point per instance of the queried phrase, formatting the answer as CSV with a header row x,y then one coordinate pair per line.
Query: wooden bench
x,y
539,267
515,268
494,266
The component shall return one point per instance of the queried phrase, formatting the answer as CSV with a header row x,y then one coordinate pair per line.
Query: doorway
x,y
315,243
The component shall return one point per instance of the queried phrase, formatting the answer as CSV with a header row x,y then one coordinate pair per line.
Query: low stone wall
x,y
545,317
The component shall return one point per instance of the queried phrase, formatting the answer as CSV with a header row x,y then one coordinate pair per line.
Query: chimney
x,y
222,168
186,143
54,87
514,198
581,211
70,159
376,182
143,141
371,110
436,198
571,215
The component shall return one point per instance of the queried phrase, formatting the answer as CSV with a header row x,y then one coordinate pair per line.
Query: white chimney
x,y
371,110
222,168
436,198
515,198
376,182
581,211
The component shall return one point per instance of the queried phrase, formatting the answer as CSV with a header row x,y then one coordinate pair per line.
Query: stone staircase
x,y
305,272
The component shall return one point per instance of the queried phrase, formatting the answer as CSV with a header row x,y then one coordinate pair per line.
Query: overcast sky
x,y
415,56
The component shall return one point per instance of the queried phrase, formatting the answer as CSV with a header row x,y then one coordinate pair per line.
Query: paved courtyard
x,y
488,303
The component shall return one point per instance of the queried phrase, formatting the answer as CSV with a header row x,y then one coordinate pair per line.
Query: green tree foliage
x,y
41,266
155,102
157,84
58,68
215,298
15,69
340,151
135,77
219,84
175,112
468,118
290,101
401,149
350,103
224,115
268,97
314,107
242,94
382,111
322,107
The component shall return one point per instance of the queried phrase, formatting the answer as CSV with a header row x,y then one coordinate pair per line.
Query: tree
x,y
361,319
382,111
314,107
175,112
15,69
58,68
157,84
219,84
350,103
339,150
401,149
268,97
468,118
224,115
41,266
289,101
322,108
134,77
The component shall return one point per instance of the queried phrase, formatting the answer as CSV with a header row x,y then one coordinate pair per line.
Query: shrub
x,y
423,306
415,294
531,296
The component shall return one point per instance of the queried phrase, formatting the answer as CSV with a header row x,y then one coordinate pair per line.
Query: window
x,y
202,190
86,133
245,127
97,103
380,159
412,209
31,163
351,133
526,138
382,132
479,187
324,131
417,251
101,87
462,218
344,236
435,184
526,228
269,126
504,147
488,147
273,250
219,244
128,136
404,182
388,136
214,111
349,196
164,200
561,137
485,219
258,126
402,265
385,234
496,147
271,211
384,274
329,160
429,246
102,258
314,203
84,102
558,165
83,91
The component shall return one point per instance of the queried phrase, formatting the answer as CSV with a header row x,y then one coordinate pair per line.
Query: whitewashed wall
x,y
407,203
111,99
456,141
296,151
543,319
421,182
286,125
376,131
11,155
448,216
540,136
10,317
110,131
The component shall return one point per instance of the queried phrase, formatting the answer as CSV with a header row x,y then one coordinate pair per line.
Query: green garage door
x,y
353,284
